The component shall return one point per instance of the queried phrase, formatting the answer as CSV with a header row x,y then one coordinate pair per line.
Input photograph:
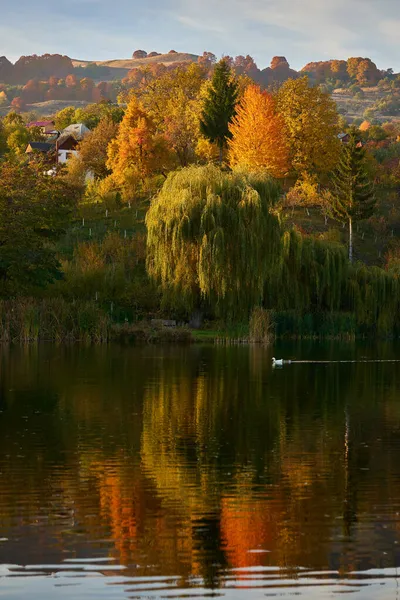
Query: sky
x,y
301,30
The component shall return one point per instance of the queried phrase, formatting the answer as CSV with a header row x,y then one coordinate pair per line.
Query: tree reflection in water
x,y
190,461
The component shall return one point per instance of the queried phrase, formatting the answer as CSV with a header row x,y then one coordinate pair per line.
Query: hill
x,y
127,64
46,109
41,83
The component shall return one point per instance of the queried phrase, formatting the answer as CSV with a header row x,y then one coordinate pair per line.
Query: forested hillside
x,y
357,85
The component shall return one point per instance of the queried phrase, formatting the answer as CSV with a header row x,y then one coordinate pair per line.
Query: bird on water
x,y
277,362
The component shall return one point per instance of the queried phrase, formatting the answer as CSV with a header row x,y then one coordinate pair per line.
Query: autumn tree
x,y
18,103
258,133
65,117
3,139
172,99
311,120
93,148
212,239
138,151
71,81
363,70
353,190
219,106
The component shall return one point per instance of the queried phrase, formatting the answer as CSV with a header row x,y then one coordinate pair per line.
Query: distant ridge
x,y
132,63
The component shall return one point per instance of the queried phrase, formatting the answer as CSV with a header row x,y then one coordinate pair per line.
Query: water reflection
x,y
198,470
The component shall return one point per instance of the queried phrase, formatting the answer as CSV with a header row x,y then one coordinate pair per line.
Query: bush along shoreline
x,y
55,320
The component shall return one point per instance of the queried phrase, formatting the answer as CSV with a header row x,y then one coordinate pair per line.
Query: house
x,y
43,147
46,127
45,151
65,143
78,130
66,146
68,141
343,137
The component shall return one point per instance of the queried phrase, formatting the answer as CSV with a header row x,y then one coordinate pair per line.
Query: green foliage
x,y
317,292
3,140
310,274
353,191
212,239
261,326
31,320
109,270
219,106
90,115
65,117
15,136
34,210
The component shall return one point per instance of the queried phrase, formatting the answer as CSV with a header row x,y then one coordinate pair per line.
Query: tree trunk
x,y
196,320
221,154
350,240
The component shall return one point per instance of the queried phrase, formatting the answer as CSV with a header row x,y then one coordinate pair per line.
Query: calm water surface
x,y
199,472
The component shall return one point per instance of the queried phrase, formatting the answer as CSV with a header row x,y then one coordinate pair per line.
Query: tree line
x,y
216,166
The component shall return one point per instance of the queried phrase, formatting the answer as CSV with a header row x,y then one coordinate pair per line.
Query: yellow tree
x,y
312,124
259,139
181,126
172,98
138,151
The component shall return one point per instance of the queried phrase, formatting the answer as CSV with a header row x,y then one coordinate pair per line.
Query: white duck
x,y
277,362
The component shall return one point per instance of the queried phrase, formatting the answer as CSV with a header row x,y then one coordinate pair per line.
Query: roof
x,y
64,137
40,146
40,124
78,130
67,142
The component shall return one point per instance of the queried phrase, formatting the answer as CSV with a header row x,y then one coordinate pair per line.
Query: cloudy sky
x,y
301,30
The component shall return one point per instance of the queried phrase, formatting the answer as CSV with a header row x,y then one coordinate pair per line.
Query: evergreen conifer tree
x,y
219,106
353,190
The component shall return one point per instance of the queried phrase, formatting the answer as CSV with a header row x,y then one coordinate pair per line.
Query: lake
x,y
200,471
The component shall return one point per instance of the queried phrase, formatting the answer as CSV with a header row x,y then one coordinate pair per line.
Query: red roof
x,y
40,124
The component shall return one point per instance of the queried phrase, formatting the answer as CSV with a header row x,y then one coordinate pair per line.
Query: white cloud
x,y
301,30
317,29
199,25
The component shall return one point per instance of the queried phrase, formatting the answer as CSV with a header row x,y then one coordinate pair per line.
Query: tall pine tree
x,y
219,106
353,190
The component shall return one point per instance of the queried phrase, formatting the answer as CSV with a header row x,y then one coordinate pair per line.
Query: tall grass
x,y
261,326
29,320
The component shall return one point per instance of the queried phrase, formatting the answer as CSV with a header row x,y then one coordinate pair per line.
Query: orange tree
x,y
138,151
259,139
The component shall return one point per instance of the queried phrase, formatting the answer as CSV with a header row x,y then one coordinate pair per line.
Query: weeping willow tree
x,y
315,283
212,239
310,275
374,296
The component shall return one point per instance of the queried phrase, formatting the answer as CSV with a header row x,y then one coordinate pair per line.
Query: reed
x,y
262,326
28,320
